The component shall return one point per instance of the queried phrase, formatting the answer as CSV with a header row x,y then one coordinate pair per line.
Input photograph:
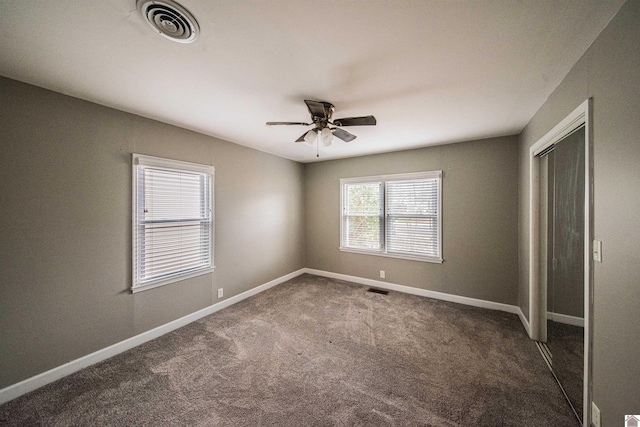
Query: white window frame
x,y
383,179
140,161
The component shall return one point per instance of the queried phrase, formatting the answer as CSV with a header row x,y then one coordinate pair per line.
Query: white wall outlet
x,y
597,250
382,274
595,415
220,292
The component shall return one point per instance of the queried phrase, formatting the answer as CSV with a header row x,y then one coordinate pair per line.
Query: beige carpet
x,y
316,352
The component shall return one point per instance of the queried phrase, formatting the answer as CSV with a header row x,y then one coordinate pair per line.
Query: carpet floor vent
x,y
378,291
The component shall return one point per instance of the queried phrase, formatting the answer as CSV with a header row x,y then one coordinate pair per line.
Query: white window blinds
x,y
393,215
363,216
173,224
412,217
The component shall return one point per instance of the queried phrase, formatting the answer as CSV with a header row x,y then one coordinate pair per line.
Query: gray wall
x,y
65,226
610,73
480,219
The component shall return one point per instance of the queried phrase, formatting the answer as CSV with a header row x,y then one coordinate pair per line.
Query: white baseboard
x,y
30,384
525,321
417,291
565,318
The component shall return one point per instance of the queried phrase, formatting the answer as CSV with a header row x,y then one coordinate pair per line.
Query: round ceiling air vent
x,y
169,19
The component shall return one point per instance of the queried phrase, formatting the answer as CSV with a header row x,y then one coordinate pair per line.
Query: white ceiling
x,y
431,71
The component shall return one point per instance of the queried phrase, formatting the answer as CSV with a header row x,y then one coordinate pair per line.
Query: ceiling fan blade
x,y
343,135
316,108
301,139
287,123
356,121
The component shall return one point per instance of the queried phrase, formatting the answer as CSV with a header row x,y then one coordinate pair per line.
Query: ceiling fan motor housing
x,y
322,122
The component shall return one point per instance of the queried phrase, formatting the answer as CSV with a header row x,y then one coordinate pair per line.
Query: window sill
x,y
388,255
157,283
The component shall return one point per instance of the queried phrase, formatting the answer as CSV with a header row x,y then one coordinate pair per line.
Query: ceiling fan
x,y
321,118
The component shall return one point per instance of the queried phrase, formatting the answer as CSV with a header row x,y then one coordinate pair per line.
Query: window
x,y
172,221
393,215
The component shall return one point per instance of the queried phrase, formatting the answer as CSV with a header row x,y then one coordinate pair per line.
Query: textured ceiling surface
x,y
431,71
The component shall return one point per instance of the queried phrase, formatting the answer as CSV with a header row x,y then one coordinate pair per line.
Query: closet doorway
x,y
560,303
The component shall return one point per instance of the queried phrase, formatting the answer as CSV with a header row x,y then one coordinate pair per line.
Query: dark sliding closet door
x,y
568,226
565,289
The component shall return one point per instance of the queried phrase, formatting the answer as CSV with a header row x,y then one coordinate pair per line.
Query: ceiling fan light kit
x,y
321,114
309,137
326,136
